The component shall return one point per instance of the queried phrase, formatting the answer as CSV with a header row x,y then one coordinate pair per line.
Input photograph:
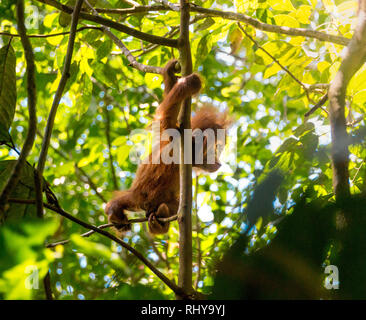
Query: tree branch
x,y
136,9
320,103
317,86
184,120
172,6
354,58
198,231
47,286
125,51
272,28
89,233
51,117
32,101
130,57
174,30
86,234
109,143
297,32
177,290
114,25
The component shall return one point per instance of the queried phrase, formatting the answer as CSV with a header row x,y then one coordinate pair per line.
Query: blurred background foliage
x,y
273,247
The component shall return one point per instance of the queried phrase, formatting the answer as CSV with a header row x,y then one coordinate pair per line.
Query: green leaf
x,y
272,70
106,74
99,250
303,14
286,21
360,97
203,48
310,143
153,81
271,46
4,135
288,145
8,92
24,240
21,281
23,190
122,153
84,96
104,50
137,292
323,65
65,19
49,19
282,5
303,128
22,252
208,22
282,195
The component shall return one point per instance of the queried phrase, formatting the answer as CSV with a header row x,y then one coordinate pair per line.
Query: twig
x,y
51,117
47,286
135,9
114,25
317,86
131,58
124,115
174,31
276,61
152,47
177,290
89,181
357,172
321,102
86,234
130,221
109,143
237,57
354,58
170,5
89,233
354,122
125,51
32,102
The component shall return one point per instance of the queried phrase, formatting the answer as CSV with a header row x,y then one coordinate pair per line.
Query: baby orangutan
x,y
156,186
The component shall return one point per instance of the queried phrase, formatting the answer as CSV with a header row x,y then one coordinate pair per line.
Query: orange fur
x,y
156,186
